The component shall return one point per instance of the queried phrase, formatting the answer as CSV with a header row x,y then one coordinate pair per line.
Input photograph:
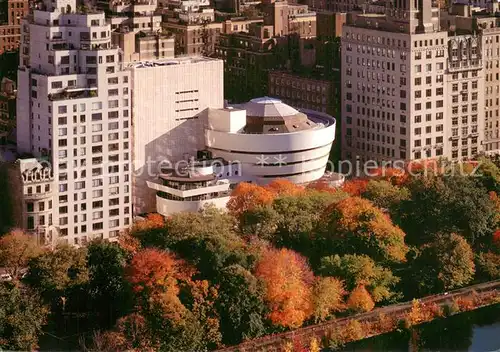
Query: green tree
x,y
488,265
445,204
109,292
240,305
385,195
60,276
298,217
22,317
328,297
359,270
444,264
488,174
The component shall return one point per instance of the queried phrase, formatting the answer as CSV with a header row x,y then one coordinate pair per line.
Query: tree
x,y
247,196
22,317
355,187
355,225
360,300
297,218
240,305
288,281
359,270
445,204
283,187
110,294
16,249
60,275
385,195
488,174
444,264
153,271
152,221
488,265
328,297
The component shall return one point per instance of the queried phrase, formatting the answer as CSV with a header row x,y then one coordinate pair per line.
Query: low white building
x,y
257,142
272,140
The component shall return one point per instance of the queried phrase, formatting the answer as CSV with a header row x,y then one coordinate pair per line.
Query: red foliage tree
x,y
288,281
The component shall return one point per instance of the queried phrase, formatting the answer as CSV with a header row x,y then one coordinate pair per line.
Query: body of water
x,y
476,331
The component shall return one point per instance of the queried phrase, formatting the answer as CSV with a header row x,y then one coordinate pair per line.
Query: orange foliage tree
x,y
153,270
355,187
281,186
356,223
360,300
394,175
248,196
288,280
321,186
152,221
16,249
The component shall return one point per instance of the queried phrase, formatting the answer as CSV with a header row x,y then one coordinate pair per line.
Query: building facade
x,y
439,89
11,14
256,142
171,102
74,112
410,91
7,110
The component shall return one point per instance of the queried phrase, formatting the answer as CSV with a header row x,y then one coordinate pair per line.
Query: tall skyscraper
x,y
73,111
410,90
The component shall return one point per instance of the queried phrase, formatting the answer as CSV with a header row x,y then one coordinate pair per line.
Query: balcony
x,y
74,93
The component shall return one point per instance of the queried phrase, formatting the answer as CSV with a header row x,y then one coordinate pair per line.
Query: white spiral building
x,y
272,140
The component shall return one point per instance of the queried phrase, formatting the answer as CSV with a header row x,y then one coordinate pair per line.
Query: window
x,y
439,128
418,94
56,85
418,68
418,106
418,118
418,131
112,104
113,126
417,143
29,207
62,109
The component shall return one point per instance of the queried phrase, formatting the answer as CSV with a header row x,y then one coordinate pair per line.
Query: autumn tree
x,y
152,221
22,317
247,196
359,270
284,187
355,187
16,249
240,304
288,282
444,264
360,300
355,225
328,297
151,271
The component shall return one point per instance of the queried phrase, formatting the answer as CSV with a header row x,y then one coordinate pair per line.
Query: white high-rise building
x,y
74,111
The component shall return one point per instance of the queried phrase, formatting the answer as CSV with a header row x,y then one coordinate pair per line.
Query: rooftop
x,y
170,62
268,107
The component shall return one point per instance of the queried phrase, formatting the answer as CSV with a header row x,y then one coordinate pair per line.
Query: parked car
x,y
5,277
